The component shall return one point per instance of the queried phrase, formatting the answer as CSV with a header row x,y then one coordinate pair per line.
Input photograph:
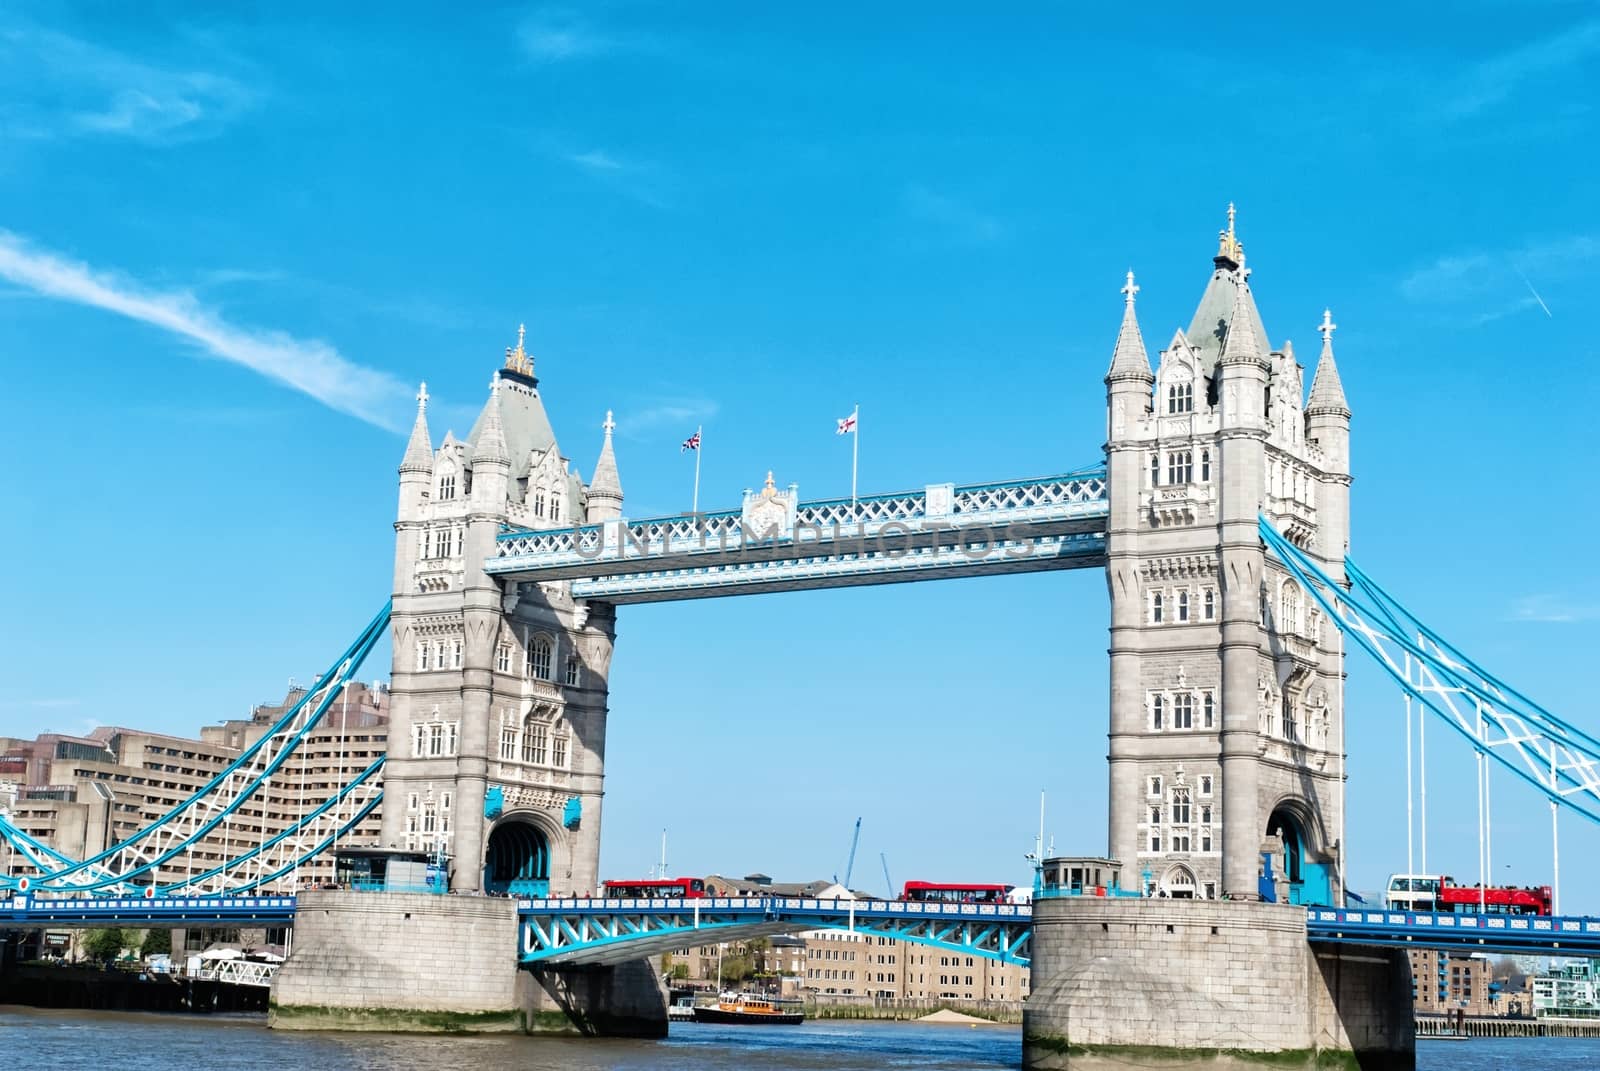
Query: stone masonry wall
x,y
1170,980
400,961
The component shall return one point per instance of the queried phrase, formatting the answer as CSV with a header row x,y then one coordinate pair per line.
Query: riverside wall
x,y
413,962
1220,984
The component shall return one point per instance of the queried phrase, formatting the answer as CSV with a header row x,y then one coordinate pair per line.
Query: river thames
x,y
115,1041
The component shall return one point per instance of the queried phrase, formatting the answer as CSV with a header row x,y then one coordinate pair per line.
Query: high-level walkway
x,y
775,542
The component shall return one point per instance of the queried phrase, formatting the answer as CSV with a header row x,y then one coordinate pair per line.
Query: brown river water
x,y
111,1041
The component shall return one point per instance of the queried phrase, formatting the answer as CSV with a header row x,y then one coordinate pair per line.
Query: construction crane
x,y
887,880
850,865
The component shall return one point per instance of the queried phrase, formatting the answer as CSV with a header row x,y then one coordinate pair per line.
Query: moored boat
x,y
750,1008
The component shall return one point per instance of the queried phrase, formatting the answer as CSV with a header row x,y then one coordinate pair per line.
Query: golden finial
x,y
1228,247
517,360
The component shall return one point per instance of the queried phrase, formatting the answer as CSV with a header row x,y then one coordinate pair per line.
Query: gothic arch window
x,y
508,743
1180,397
558,748
434,737
1180,806
535,741
555,507
573,672
502,657
1290,607
1155,470
539,658
1180,467
447,486
1183,606
1208,715
1155,608
1205,464
1183,711
1158,712
1210,608
538,503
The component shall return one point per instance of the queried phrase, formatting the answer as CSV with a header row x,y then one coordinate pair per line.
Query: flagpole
x,y
855,455
698,440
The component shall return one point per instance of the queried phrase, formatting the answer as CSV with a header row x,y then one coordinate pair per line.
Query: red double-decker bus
x,y
1435,892
654,888
955,892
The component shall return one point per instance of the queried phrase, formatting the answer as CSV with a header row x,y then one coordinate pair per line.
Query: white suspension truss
x,y
156,851
1556,757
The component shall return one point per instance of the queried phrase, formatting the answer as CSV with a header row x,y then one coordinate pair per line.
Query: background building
x,y
82,794
838,963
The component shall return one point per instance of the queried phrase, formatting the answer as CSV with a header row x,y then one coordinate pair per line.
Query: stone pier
x,y
1226,985
415,963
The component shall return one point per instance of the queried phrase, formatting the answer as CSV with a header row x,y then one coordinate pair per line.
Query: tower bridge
x,y
1221,518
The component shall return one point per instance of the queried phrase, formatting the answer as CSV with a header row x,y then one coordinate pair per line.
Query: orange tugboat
x,y
750,1008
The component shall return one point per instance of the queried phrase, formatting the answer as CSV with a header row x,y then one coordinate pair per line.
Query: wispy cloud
x,y
635,179
307,365
1494,80
1494,282
679,413
53,85
956,219
230,276
556,34
1554,609
595,160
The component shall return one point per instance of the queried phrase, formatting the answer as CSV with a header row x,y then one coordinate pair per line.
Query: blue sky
x,y
230,246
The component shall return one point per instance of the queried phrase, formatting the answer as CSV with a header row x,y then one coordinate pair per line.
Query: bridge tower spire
x,y
1226,718
605,490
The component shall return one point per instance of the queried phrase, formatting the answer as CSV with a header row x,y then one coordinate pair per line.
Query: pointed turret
x,y
605,490
491,441
419,451
416,468
1327,393
1241,347
1128,359
1241,372
1328,419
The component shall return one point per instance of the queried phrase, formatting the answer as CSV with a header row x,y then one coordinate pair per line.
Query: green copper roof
x,y
1212,319
523,423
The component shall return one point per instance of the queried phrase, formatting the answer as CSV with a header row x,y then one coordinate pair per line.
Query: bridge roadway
x,y
775,542
574,931
577,931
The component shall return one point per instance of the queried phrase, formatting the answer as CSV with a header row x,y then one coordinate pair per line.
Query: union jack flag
x,y
847,425
691,443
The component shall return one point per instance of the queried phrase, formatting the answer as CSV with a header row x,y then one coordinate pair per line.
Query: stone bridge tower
x,y
497,731
1227,727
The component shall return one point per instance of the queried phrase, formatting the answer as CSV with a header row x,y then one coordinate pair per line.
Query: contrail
x,y
1535,294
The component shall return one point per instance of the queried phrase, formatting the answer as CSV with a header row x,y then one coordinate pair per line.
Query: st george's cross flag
x,y
848,424
691,443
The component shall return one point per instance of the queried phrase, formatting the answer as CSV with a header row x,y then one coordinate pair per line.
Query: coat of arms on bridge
x,y
769,513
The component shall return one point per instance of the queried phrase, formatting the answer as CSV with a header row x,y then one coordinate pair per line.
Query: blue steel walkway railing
x,y
1543,934
584,931
133,910
776,542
